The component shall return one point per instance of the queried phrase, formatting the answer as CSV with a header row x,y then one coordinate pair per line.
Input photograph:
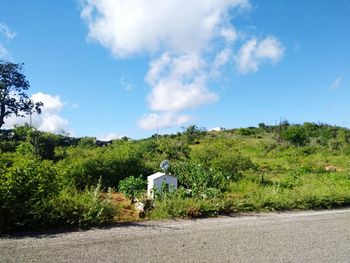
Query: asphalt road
x,y
322,236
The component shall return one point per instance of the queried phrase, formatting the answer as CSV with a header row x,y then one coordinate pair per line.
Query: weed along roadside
x,y
82,182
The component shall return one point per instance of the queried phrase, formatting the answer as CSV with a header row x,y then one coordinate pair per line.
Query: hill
x,y
51,180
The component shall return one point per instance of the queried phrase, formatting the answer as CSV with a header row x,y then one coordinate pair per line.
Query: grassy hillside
x,y
51,180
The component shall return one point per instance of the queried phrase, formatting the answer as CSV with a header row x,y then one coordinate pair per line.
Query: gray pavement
x,y
322,236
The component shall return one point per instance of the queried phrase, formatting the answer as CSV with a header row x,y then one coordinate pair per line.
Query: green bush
x,y
84,166
192,134
23,186
87,142
247,131
199,179
7,145
296,135
132,186
33,196
172,149
78,208
221,156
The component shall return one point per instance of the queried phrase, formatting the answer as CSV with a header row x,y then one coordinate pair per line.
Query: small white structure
x,y
156,180
218,129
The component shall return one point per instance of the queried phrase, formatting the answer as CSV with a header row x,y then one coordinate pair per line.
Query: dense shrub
x,y
23,187
247,131
221,156
296,135
32,196
132,186
84,167
197,178
171,149
7,145
87,142
192,134
78,208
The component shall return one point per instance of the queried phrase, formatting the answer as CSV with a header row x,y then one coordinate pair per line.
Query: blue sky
x,y
111,68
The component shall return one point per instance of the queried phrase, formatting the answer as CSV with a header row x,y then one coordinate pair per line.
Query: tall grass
x,y
79,208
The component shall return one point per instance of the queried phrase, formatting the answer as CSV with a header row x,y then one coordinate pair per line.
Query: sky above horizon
x,y
112,68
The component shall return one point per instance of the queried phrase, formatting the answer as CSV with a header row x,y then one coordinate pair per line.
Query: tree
x,y
13,97
192,134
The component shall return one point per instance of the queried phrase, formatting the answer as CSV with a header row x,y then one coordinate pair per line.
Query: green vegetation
x,y
132,186
13,97
49,180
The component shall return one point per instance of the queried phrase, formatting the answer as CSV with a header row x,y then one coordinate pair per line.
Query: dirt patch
x,y
126,210
332,168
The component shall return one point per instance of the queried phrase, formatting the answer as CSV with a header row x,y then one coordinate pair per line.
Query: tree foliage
x,y
13,97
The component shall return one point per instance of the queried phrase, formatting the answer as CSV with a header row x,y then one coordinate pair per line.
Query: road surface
x,y
322,236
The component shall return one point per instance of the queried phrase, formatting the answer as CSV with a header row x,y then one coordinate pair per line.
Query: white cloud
x,y
178,82
4,54
109,137
190,42
6,31
221,59
153,121
127,27
270,48
229,33
49,120
51,103
176,95
5,34
336,84
253,53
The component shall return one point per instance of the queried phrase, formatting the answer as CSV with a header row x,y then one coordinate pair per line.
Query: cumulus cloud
x,y
229,33
179,31
49,120
127,27
220,60
51,103
253,53
50,123
190,42
336,84
178,83
222,57
153,121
